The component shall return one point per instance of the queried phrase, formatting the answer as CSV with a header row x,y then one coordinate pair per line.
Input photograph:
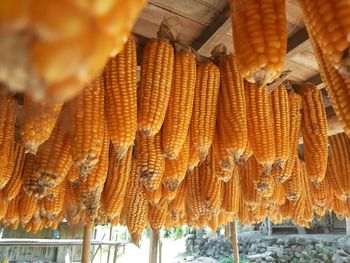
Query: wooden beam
x,y
85,257
234,241
219,26
297,42
153,246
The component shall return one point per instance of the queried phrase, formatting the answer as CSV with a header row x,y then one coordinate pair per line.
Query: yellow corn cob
x,y
175,170
321,196
224,164
177,205
151,160
327,22
206,95
213,223
155,85
167,194
54,207
154,197
113,194
27,207
337,86
8,111
136,205
314,128
12,212
338,166
281,119
39,119
248,152
73,175
169,221
293,185
339,208
232,120
3,206
232,194
250,195
91,188
193,158
263,183
157,214
193,192
260,38
210,184
121,106
71,202
14,185
260,125
178,115
46,173
89,127
295,106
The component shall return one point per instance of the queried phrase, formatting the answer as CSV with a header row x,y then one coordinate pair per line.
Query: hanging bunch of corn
x,y
281,121
179,111
203,120
54,207
157,214
89,127
150,160
177,205
260,126
38,121
155,85
232,193
337,86
136,205
193,193
72,204
293,185
317,21
250,195
232,120
121,105
57,32
338,166
26,208
46,173
314,128
260,38
175,170
321,196
113,195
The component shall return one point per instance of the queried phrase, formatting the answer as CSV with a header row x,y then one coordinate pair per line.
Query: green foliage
x,y
242,259
174,233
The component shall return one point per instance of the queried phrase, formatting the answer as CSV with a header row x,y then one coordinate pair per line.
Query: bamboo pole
x,y
153,246
85,257
234,241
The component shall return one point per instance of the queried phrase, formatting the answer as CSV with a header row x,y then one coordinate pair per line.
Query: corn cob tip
x,y
172,185
261,78
31,149
120,152
147,132
136,238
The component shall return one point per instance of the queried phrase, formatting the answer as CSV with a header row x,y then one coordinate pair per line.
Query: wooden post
x,y
269,227
160,251
233,229
153,246
85,257
347,220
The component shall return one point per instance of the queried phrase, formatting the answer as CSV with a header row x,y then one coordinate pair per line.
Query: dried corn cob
x,y
73,175
314,128
203,120
177,205
321,196
89,127
339,165
250,195
260,126
136,205
260,38
12,212
47,174
232,195
151,160
39,119
210,184
154,197
167,194
193,192
337,86
178,115
232,120
121,105
193,158
14,185
27,207
113,194
281,119
248,152
54,207
175,170
3,206
157,214
293,185
330,27
72,205
155,85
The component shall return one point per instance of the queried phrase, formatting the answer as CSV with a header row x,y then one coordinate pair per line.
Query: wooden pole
x,y
85,257
153,245
233,229
347,220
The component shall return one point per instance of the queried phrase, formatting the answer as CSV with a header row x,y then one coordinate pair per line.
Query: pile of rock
x,y
257,248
